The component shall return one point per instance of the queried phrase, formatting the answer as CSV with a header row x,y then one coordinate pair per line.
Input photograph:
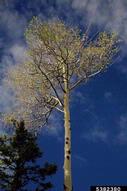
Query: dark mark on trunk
x,y
65,188
68,157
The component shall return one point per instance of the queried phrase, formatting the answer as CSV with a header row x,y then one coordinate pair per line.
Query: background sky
x,y
98,108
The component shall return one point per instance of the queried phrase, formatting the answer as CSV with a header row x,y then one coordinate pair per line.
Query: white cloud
x,y
108,95
15,54
79,97
13,51
121,137
122,67
12,26
80,158
12,55
12,23
18,53
96,134
6,100
54,126
112,14
99,134
79,4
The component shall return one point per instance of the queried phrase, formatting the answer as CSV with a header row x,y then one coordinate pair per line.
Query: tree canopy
x,y
56,52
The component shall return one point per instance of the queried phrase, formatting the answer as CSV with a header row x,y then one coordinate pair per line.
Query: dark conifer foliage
x,y
18,162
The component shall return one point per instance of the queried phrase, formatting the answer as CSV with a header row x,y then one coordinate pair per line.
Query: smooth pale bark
x,y
67,144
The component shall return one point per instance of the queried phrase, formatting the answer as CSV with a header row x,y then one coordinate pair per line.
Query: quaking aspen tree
x,y
60,59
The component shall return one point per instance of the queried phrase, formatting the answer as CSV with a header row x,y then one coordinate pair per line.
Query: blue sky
x,y
98,108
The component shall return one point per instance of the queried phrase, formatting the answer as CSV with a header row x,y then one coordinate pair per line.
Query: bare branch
x,y
57,100
78,83
59,109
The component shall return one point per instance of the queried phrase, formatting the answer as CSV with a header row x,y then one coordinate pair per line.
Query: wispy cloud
x,y
78,97
122,66
54,127
111,14
108,95
100,134
18,53
12,27
13,55
121,137
96,134
80,159
12,24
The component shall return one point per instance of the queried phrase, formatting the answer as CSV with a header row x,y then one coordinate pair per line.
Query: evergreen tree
x,y
18,167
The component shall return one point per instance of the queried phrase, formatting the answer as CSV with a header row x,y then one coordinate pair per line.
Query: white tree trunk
x,y
67,146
